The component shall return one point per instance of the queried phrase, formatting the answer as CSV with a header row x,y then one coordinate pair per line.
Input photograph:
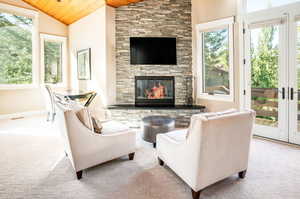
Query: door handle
x,y
282,91
292,94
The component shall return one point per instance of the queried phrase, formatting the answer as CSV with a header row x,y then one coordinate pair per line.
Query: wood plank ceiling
x,y
69,11
118,3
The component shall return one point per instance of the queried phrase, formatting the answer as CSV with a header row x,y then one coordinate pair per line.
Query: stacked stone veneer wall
x,y
154,18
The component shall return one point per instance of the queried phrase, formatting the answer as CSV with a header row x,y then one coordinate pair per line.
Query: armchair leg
x,y
242,174
131,156
79,175
196,194
160,162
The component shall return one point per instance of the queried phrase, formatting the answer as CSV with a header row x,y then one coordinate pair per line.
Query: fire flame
x,y
156,92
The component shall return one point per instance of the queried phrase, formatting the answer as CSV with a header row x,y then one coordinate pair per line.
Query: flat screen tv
x,y
153,51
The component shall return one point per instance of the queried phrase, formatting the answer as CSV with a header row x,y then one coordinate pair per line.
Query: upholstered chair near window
x,y
214,147
86,148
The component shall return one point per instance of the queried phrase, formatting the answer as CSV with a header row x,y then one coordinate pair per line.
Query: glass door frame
x,y
293,11
289,132
279,133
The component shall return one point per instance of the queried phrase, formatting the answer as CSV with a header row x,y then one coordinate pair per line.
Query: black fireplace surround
x,y
154,91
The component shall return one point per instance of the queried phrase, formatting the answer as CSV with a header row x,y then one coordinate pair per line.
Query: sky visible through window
x,y
255,36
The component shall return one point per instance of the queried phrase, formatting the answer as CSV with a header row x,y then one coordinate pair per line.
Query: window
x,y
215,60
17,57
256,5
53,53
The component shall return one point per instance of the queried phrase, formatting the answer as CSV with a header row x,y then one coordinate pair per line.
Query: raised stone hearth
x,y
132,116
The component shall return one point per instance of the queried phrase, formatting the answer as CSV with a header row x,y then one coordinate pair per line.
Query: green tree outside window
x,y
15,49
53,61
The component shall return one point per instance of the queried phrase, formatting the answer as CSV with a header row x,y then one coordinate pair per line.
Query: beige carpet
x,y
35,167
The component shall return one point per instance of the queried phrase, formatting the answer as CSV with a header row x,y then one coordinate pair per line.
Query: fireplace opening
x,y
154,91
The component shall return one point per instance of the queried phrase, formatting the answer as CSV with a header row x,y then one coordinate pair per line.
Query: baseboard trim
x,y
23,114
277,141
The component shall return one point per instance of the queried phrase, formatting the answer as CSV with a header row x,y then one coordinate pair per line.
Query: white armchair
x,y
85,148
214,147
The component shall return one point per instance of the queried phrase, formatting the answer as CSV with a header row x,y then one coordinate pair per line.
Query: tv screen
x,y
153,51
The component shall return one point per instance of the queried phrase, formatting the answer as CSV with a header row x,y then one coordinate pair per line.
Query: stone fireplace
x,y
153,18
153,91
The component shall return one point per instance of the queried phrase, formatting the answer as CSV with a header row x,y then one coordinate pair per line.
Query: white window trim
x,y
201,28
288,6
35,45
62,39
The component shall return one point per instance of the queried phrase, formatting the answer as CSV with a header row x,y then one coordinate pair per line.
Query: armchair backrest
x,y
221,143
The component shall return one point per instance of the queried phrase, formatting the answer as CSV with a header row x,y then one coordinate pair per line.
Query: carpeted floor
x,y
34,166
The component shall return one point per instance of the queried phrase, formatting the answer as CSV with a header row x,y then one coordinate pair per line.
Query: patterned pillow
x,y
84,116
97,125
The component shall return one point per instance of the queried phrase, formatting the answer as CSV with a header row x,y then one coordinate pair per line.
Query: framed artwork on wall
x,y
84,64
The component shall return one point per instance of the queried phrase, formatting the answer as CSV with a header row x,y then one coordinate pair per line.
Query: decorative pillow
x,y
84,116
99,114
97,125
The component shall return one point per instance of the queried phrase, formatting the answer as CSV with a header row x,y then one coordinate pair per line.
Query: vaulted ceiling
x,y
69,11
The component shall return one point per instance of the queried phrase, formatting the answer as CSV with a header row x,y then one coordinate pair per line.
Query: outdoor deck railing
x,y
265,102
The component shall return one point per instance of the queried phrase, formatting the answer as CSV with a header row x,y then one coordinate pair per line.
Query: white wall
x,y
95,31
23,100
111,55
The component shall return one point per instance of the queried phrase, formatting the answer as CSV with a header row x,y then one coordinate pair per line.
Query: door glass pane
x,y
264,74
53,61
216,62
298,73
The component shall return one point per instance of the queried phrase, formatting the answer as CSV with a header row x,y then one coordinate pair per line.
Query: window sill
x,y
18,87
29,86
216,97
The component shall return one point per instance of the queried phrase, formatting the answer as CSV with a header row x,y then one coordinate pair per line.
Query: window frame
x,y
44,37
10,9
206,27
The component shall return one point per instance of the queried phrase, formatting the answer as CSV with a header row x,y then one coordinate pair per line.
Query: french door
x,y
272,72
